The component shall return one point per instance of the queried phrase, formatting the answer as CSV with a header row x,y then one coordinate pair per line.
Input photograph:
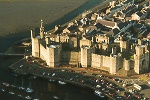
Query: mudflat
x,y
21,15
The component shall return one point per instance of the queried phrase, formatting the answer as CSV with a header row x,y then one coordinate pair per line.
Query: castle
x,y
98,51
112,40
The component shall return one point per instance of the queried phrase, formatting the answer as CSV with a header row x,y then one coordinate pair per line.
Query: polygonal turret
x,y
41,30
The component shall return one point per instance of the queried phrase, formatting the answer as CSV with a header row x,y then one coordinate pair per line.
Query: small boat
x,y
19,95
13,86
52,80
36,99
27,97
32,77
21,87
2,90
29,90
6,84
15,75
55,97
11,92
61,82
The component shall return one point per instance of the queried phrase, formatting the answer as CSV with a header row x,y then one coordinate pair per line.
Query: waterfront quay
x,y
84,77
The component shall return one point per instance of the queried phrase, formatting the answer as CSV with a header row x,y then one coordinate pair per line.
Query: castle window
x,y
66,40
144,63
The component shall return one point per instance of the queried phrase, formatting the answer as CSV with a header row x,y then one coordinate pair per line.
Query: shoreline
x,y
59,73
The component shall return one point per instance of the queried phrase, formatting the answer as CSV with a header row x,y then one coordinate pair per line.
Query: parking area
x,y
110,85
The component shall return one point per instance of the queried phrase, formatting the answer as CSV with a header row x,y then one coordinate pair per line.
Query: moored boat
x,y
2,90
11,92
6,84
55,97
29,90
28,97
19,95
21,87
52,80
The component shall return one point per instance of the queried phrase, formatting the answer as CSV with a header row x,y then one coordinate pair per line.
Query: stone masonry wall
x,y
72,58
43,52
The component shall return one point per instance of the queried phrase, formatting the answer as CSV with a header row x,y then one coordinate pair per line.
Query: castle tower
x,y
124,45
32,33
140,42
116,62
35,44
86,56
114,50
141,59
126,64
47,40
42,30
54,55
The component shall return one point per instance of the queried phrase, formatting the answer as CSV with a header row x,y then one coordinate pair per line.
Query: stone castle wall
x,y
73,42
35,47
106,61
96,61
85,42
43,52
72,57
126,64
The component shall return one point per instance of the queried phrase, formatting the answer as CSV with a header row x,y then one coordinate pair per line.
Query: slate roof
x,y
72,28
106,23
139,13
122,24
114,31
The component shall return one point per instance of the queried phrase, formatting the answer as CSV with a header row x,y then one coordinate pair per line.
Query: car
x,y
100,75
53,74
103,89
119,81
82,72
118,97
21,66
71,71
63,70
106,90
146,98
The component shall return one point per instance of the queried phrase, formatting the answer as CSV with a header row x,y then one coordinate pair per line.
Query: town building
x,y
98,43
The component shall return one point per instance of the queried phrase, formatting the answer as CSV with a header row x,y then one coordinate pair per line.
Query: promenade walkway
x,y
78,76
